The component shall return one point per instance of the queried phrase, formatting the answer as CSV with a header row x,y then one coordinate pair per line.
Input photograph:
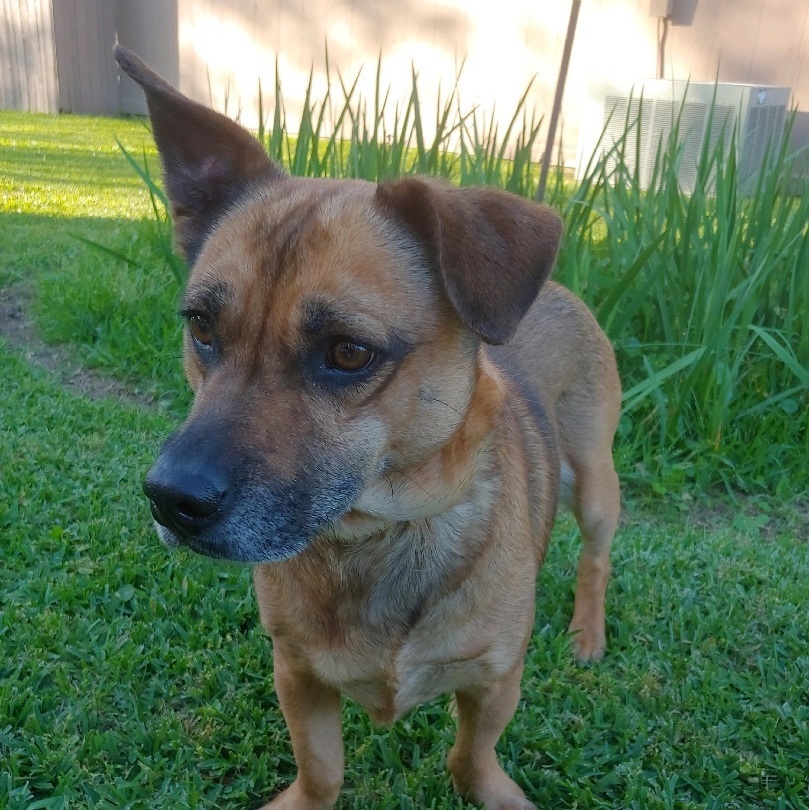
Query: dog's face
x,y
332,339
321,358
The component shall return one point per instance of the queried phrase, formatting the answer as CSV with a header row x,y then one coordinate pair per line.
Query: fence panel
x,y
27,56
84,33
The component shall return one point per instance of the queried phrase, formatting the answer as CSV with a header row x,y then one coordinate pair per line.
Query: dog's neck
x,y
384,575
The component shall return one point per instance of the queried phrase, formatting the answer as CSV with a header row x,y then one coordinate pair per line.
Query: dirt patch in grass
x,y
18,329
763,517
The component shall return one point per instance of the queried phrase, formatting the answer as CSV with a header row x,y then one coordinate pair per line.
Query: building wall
x,y
219,50
754,42
762,42
497,48
227,46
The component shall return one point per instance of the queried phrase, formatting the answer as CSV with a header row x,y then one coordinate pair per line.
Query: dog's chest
x,y
388,678
388,664
399,621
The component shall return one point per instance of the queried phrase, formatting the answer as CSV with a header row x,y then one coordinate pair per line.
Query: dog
x,y
389,398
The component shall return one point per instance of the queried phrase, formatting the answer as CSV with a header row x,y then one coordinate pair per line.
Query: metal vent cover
x,y
637,124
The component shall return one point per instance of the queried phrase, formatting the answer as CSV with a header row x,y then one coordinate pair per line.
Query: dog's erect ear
x,y
208,160
492,250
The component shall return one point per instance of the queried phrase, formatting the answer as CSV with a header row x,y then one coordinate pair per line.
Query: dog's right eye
x,y
201,329
350,357
344,363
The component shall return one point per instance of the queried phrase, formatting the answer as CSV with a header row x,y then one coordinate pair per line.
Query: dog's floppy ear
x,y
208,160
492,250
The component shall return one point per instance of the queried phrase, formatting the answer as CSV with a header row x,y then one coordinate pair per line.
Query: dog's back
x,y
568,361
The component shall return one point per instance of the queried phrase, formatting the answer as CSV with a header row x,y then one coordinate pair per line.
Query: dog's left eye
x,y
348,356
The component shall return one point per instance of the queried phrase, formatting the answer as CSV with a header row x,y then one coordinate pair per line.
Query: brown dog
x,y
386,406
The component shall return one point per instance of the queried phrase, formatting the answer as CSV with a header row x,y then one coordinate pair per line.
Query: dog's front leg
x,y
313,715
483,714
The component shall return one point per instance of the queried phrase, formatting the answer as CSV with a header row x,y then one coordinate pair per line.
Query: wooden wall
x,y
27,56
85,33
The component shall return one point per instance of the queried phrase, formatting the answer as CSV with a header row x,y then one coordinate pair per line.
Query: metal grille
x,y
765,125
678,121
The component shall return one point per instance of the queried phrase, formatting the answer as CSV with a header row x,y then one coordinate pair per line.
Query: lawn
x,y
134,677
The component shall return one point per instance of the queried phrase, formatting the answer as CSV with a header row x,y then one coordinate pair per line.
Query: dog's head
x,y
332,340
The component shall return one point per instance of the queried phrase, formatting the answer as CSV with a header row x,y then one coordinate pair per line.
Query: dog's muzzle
x,y
207,495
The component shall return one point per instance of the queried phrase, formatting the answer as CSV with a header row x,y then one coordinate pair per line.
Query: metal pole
x,y
557,100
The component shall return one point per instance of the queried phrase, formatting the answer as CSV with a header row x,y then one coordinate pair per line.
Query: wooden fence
x,y
84,33
27,56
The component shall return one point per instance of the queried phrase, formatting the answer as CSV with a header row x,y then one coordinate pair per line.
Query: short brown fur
x,y
398,514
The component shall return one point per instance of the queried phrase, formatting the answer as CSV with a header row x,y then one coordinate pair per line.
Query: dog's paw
x,y
294,798
491,788
589,638
588,647
517,803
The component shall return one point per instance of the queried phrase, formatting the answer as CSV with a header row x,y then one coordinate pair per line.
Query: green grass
x,y
64,182
135,678
64,175
704,296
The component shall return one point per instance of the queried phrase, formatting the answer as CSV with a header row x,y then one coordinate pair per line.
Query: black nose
x,y
186,503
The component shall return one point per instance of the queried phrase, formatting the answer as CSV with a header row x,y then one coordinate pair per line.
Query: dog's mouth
x,y
199,544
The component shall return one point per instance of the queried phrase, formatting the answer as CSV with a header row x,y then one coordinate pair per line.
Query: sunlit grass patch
x,y
70,166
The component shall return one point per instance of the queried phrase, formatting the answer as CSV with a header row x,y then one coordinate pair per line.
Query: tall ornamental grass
x,y
705,295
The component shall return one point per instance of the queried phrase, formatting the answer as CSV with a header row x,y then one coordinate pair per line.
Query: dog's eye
x,y
201,329
345,355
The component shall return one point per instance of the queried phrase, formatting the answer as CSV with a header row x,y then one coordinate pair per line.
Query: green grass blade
x,y
784,353
636,395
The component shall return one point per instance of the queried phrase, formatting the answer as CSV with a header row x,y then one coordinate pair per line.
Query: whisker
x,y
441,402
416,483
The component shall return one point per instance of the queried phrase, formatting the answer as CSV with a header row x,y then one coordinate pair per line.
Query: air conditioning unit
x,y
651,108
